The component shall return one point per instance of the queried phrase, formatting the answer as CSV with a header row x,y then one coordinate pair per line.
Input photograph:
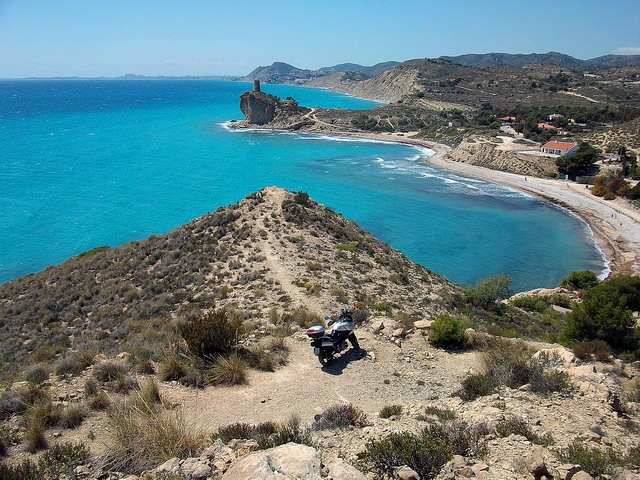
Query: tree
x,y
580,162
488,291
581,280
606,313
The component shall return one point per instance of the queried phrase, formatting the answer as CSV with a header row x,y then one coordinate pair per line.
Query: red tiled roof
x,y
547,126
507,119
564,146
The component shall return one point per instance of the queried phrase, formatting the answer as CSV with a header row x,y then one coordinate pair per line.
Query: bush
x,y
302,317
214,333
390,411
488,291
340,416
27,470
581,280
427,452
595,349
443,414
530,303
511,364
267,434
36,374
229,370
594,461
475,386
447,332
517,426
8,438
605,313
61,460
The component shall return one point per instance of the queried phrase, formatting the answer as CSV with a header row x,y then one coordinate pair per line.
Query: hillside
x,y
254,256
106,350
551,58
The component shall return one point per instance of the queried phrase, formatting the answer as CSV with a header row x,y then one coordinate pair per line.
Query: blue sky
x,y
198,37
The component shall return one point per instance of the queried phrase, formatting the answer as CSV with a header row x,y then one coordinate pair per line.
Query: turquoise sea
x,y
91,163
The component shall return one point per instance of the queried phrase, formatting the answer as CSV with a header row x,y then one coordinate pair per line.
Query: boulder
x,y
339,469
581,475
290,461
423,324
406,473
196,468
537,463
170,466
377,326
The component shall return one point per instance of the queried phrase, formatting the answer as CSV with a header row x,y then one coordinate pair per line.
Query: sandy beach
x,y
615,224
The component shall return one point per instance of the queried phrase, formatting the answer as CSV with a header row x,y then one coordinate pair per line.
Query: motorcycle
x,y
327,345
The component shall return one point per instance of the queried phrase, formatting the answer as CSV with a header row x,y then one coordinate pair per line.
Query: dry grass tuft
x,y
145,436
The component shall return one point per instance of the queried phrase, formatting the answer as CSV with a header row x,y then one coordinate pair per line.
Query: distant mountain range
x,y
280,72
553,58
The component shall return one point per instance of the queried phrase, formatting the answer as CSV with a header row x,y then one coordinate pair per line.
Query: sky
x,y
89,38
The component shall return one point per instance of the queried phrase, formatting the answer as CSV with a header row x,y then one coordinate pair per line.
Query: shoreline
x,y
614,225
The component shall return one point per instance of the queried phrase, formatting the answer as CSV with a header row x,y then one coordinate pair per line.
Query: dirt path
x,y
386,375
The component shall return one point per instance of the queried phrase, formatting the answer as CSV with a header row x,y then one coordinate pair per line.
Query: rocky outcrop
x,y
488,153
258,107
262,109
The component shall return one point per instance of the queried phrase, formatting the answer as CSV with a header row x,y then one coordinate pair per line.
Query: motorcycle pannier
x,y
316,331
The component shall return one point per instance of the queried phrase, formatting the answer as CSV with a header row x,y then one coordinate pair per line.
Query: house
x,y
553,116
559,148
546,126
507,119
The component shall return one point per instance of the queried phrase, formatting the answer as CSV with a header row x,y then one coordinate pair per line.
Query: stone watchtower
x,y
256,85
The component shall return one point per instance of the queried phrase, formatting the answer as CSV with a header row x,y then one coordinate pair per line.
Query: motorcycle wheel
x,y
325,356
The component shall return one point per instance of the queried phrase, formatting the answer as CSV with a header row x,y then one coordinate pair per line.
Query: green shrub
x,y
447,332
8,437
487,292
26,470
228,370
427,452
267,434
594,461
605,313
477,385
443,414
340,416
381,307
91,387
390,411
61,460
212,334
302,317
580,280
530,303
348,247
517,426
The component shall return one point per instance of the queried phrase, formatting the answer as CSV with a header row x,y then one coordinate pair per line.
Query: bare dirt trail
x,y
414,374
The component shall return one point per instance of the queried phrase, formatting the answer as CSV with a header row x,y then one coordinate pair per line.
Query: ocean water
x,y
91,163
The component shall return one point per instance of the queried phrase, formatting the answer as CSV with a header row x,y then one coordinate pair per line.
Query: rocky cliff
x,y
260,108
491,153
390,86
